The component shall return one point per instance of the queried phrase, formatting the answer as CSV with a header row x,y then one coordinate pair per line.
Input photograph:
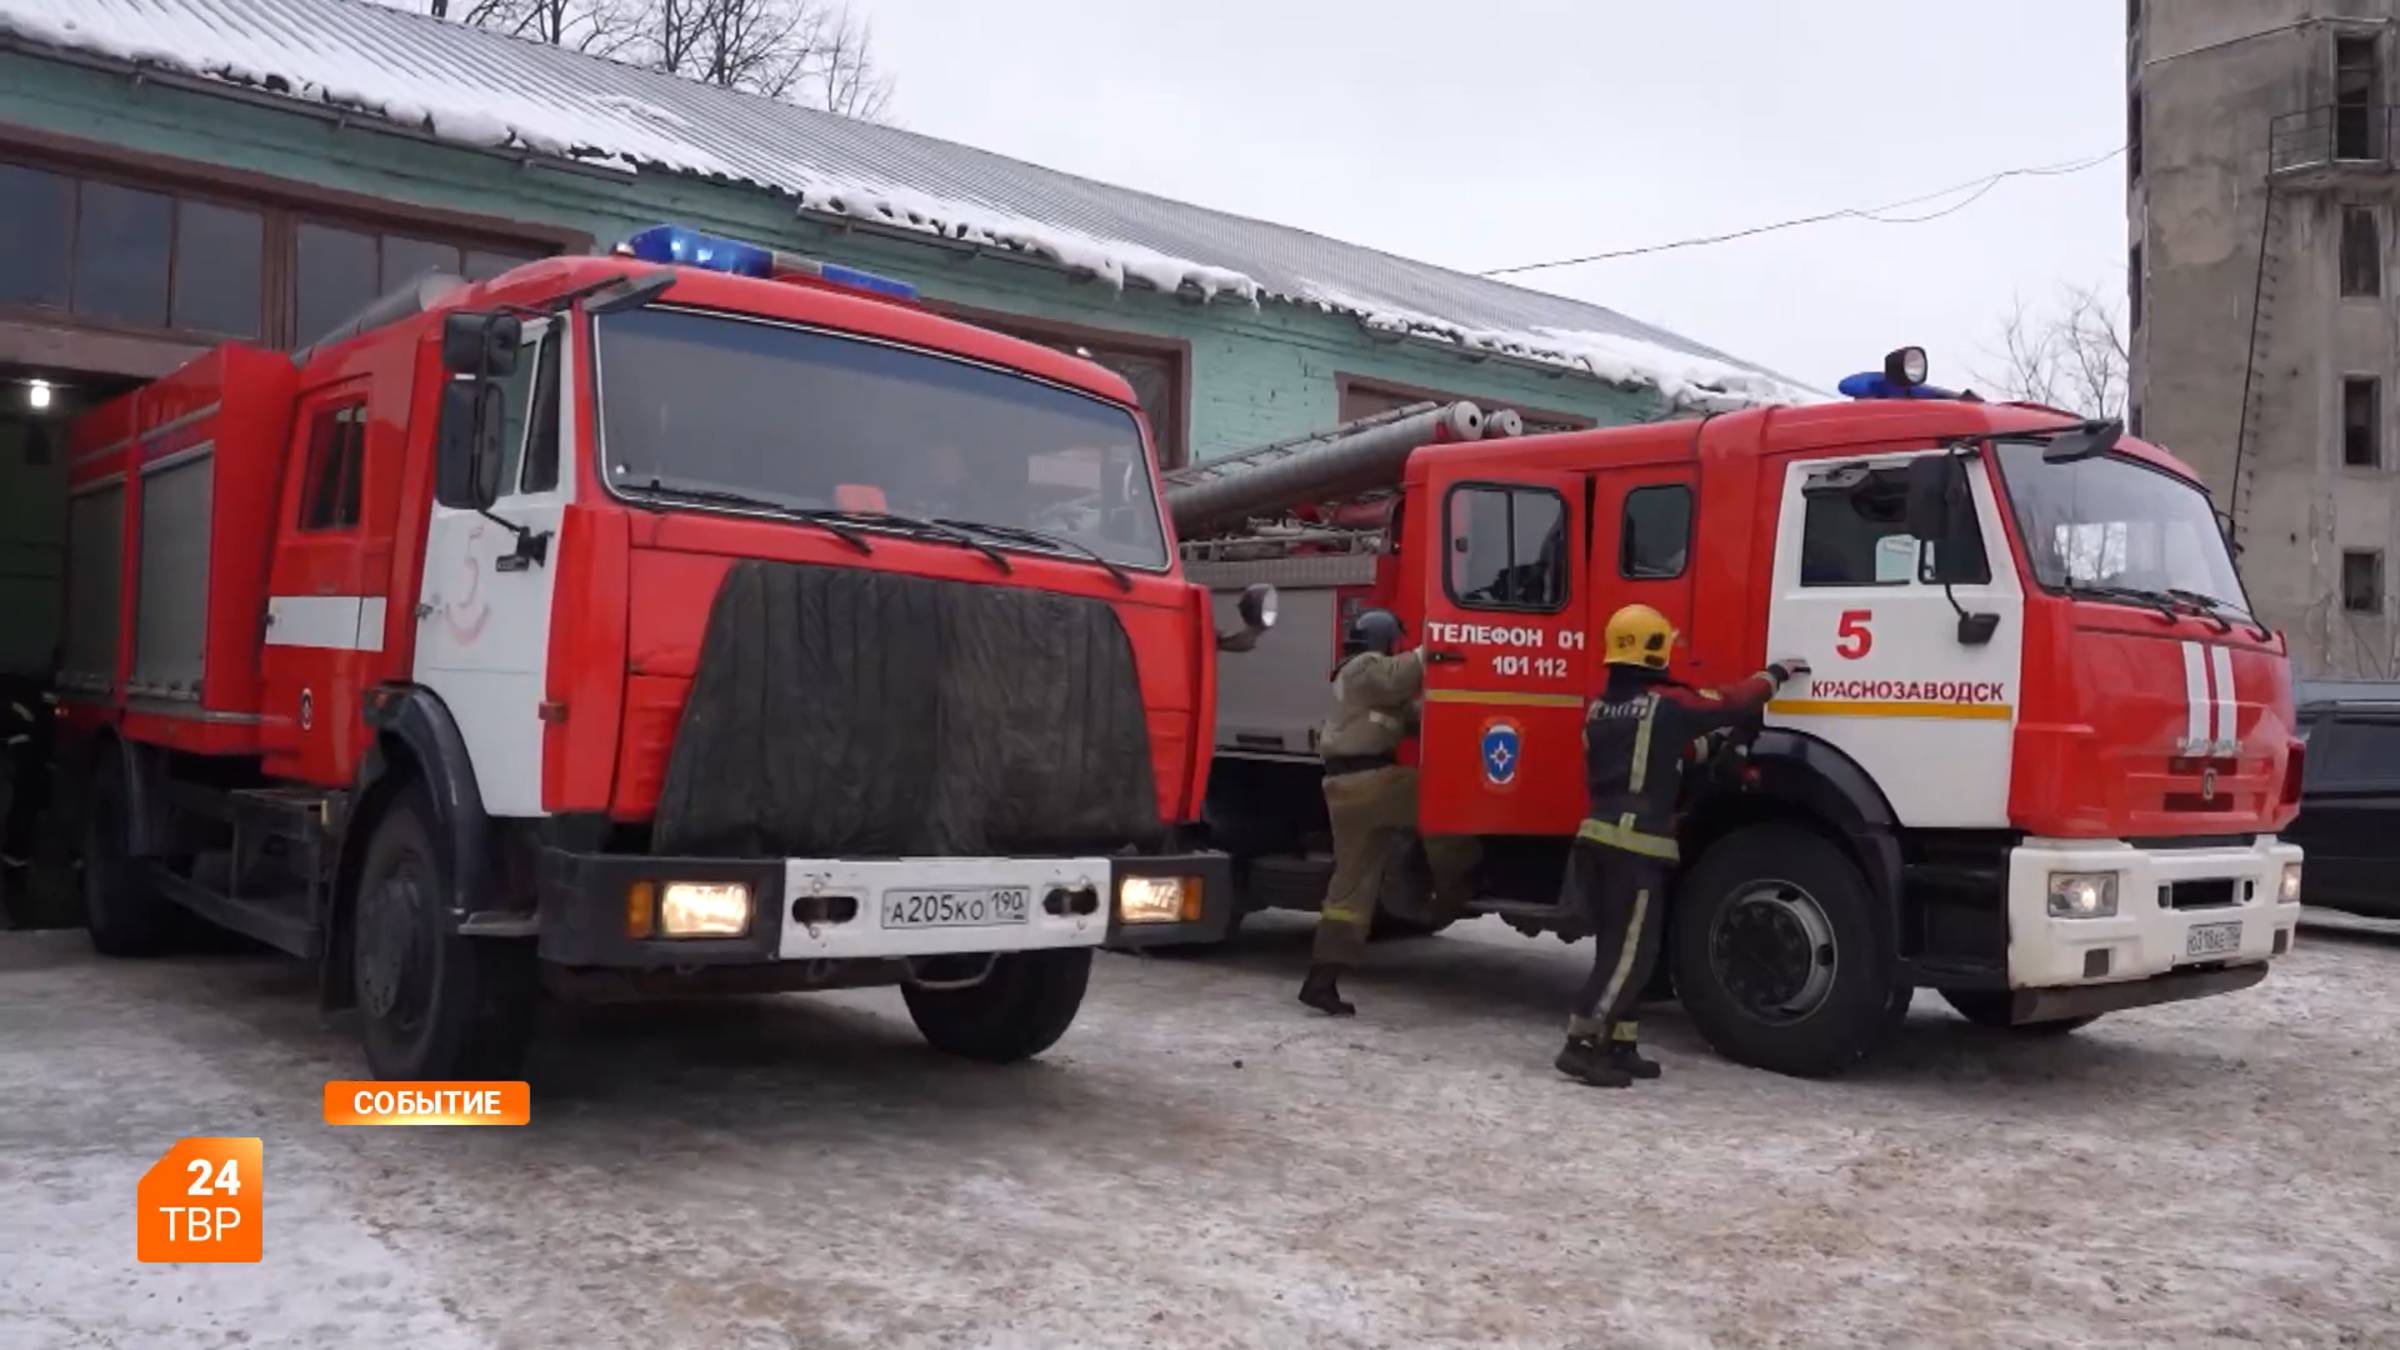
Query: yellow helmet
x,y
1637,635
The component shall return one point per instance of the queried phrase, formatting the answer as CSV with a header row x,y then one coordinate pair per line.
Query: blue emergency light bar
x,y
692,248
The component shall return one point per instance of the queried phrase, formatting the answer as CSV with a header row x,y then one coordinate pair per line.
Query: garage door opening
x,y
36,405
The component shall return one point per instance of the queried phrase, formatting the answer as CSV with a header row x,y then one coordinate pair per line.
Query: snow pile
x,y
1685,379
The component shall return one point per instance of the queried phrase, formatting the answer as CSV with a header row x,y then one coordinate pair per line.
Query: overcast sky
x,y
1492,132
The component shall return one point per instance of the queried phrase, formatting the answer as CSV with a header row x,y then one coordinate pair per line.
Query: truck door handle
x,y
1434,658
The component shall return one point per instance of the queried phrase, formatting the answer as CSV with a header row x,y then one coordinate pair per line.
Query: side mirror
x,y
467,449
480,344
1934,481
1257,608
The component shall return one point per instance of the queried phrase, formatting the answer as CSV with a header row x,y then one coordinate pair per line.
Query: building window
x,y
1508,547
1854,531
1365,398
332,478
2133,137
2362,252
155,256
2362,580
2362,422
2357,99
2133,288
1656,537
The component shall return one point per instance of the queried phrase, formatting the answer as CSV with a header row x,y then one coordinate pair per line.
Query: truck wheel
x,y
433,1004
1017,1011
1780,956
126,915
1989,1008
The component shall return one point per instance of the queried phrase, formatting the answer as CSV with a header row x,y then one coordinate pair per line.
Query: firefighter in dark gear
x,y
1636,739
1369,795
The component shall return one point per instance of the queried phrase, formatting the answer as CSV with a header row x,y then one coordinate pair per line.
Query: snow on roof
x,y
486,89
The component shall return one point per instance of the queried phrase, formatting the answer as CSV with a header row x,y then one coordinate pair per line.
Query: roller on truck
x,y
696,618
2039,767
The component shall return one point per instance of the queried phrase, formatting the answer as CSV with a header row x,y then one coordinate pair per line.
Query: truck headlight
x,y
1158,899
704,909
2083,895
2289,893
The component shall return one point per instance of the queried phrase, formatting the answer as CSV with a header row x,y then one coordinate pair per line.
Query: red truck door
x,y
1642,552
1506,647
325,601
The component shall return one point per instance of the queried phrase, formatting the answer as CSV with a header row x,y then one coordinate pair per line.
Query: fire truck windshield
x,y
2112,522
799,418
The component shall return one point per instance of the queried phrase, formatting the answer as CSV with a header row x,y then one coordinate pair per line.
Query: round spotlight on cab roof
x,y
1906,366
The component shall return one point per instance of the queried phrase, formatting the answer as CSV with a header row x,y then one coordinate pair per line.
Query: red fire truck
x,y
703,615
2039,767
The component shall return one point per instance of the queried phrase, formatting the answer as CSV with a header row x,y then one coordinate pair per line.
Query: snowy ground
x,y
1202,1163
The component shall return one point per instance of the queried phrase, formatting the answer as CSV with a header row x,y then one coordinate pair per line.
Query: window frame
x,y
346,457
2354,213
2381,597
1918,573
1625,534
1566,516
281,203
2374,428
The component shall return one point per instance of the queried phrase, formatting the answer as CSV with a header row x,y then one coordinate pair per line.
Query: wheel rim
x,y
394,958
1772,948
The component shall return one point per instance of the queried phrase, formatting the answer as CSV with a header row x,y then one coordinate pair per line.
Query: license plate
x,y
2212,939
959,907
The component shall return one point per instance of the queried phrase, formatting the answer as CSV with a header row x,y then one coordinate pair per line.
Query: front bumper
x,y
2148,937
798,914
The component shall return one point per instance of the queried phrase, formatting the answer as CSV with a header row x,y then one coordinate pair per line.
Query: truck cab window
x,y
1656,538
1507,547
1859,537
331,487
540,467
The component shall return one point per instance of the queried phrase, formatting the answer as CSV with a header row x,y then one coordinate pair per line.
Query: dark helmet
x,y
1374,630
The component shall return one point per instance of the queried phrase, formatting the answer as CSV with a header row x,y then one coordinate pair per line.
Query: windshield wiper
x,y
1025,534
929,529
2153,600
2218,609
721,497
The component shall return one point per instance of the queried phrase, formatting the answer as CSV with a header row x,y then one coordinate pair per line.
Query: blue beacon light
x,y
692,248
1902,376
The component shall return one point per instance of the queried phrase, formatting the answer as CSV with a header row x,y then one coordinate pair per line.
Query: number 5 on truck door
x,y
1856,638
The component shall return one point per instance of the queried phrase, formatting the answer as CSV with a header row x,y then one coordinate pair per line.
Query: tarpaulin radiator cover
x,y
843,712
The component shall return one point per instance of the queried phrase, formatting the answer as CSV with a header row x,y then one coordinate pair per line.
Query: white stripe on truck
x,y
350,623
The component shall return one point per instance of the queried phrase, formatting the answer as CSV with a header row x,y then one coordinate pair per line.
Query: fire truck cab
x,y
700,618
2040,764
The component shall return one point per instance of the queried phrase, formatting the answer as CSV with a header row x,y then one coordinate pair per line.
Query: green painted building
x,y
175,172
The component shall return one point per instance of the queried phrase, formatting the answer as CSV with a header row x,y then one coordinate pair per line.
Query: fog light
x,y
2290,893
1158,899
704,909
2083,895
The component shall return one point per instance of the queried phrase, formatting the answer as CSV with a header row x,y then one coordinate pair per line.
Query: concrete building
x,y
2266,320
174,172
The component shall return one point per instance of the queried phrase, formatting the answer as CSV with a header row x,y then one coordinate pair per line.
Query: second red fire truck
x,y
2040,765
704,616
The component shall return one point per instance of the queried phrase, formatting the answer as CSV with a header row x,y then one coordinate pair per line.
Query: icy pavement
x,y
1202,1163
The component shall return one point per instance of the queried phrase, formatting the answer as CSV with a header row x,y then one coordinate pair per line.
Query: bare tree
x,y
810,52
2072,355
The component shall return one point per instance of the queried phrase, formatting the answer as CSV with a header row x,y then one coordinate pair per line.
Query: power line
x,y
1974,187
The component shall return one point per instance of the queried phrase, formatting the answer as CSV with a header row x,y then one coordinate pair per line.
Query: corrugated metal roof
x,y
483,88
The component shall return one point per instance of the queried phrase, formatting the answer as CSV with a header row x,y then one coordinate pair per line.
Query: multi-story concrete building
x,y
2262,191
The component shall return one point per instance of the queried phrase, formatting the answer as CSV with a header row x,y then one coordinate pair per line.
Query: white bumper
x,y
2147,936
882,891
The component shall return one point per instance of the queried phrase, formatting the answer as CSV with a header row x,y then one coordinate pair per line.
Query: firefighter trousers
x,y
1624,894
1367,808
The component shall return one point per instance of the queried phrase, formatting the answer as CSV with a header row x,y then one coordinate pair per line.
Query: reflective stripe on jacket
x,y
1635,737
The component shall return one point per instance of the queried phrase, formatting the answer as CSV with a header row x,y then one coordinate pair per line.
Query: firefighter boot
x,y
1318,992
1587,1061
1626,1055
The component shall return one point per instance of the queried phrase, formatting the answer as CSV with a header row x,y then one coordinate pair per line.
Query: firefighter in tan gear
x,y
1369,796
1636,739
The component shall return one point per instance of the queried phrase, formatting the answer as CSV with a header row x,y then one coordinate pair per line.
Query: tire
x,y
125,915
431,1004
1989,1008
1018,1011
1782,957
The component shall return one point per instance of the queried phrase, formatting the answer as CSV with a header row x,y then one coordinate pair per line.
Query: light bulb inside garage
x,y
37,395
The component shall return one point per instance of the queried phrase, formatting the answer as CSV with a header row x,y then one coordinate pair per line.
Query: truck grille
x,y
2217,893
